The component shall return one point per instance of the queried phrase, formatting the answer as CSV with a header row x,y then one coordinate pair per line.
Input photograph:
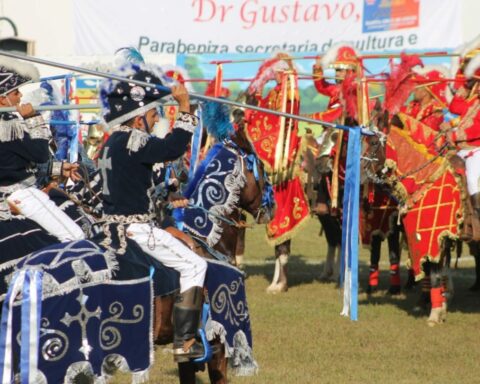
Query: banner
x,y
264,26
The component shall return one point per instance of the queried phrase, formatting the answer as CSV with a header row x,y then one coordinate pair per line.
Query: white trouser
x,y
472,169
37,206
171,252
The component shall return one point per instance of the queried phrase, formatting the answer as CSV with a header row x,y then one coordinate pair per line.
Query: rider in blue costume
x,y
126,163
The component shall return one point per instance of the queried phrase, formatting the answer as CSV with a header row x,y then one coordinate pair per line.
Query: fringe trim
x,y
287,235
9,264
242,362
240,355
433,259
213,330
138,139
110,365
11,130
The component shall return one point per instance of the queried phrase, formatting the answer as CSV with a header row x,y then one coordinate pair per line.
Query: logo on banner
x,y
388,15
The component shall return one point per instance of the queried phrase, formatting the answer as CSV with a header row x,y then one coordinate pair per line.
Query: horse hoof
x,y
324,278
277,288
394,290
164,339
432,323
437,316
371,289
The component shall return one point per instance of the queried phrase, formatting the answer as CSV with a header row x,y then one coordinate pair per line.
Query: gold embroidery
x,y
285,223
267,146
297,209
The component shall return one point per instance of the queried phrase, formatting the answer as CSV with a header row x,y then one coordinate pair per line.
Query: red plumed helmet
x,y
266,72
341,56
400,84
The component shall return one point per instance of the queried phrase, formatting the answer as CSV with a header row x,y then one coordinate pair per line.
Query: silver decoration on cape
x,y
222,302
109,336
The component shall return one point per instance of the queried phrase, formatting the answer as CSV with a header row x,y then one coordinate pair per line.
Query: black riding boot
x,y
186,318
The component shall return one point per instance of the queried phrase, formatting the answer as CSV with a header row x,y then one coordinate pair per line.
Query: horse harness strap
x,y
213,252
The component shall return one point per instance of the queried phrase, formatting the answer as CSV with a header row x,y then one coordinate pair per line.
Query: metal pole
x,y
67,107
63,107
365,57
163,88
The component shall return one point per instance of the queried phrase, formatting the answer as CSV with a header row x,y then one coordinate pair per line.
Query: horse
x,y
318,165
422,183
213,219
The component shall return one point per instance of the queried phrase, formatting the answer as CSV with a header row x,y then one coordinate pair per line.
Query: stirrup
x,y
205,355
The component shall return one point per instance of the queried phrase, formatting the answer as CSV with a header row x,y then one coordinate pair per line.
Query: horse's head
x,y
374,156
374,153
256,197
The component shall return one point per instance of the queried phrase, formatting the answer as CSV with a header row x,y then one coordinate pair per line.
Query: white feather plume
x,y
22,68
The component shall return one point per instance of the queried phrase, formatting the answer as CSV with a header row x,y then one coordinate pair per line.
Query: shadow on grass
x,y
299,271
463,301
302,272
172,375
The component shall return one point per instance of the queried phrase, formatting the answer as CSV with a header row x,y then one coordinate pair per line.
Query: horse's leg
x,y
333,234
424,298
447,282
475,252
163,326
438,312
327,272
217,367
394,257
240,248
186,373
375,247
279,281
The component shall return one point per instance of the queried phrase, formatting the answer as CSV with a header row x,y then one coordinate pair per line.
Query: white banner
x,y
264,26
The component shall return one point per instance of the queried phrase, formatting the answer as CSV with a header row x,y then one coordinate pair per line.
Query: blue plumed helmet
x,y
122,101
216,117
130,55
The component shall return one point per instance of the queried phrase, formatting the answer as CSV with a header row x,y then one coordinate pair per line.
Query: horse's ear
x,y
386,122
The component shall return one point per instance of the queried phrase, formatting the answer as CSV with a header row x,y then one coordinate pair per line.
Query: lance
x,y
112,76
68,107
364,57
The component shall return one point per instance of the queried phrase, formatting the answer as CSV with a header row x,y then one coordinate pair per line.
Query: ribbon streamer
x,y
349,259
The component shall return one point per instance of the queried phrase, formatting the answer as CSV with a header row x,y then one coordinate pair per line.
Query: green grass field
x,y
299,336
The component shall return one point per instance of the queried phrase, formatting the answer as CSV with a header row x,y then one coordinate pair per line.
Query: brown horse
x,y
253,198
428,193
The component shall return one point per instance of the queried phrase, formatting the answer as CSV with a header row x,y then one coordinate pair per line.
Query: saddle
x,y
186,239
